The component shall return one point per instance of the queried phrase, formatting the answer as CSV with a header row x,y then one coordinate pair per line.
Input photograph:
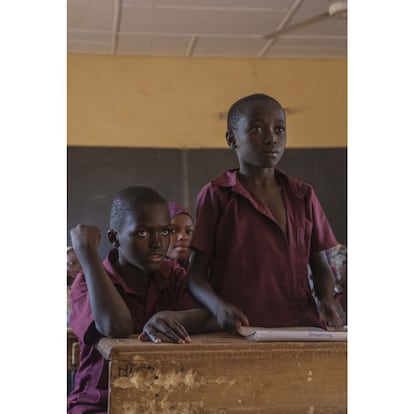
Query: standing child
x,y
257,230
120,296
182,228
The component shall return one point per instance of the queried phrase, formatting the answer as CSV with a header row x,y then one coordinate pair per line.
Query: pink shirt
x,y
166,290
254,265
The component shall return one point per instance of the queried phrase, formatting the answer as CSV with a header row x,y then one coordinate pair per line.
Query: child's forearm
x,y
197,321
110,313
197,282
322,275
203,292
324,286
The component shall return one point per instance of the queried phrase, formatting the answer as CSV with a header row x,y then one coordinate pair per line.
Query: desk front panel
x,y
225,374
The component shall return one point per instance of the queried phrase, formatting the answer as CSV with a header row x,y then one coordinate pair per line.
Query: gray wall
x,y
96,174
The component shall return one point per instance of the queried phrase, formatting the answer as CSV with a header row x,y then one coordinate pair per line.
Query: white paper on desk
x,y
291,334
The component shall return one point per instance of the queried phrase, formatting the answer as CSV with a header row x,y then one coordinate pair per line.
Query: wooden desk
x,y
221,373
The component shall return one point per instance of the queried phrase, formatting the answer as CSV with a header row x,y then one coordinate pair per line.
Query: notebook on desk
x,y
291,334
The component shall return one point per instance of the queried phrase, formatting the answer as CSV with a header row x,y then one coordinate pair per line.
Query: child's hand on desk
x,y
331,312
166,323
230,317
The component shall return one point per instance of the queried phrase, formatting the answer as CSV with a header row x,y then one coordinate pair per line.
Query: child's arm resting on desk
x,y
228,316
177,325
330,311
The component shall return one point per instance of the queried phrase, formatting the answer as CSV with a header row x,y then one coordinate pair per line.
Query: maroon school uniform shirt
x,y
254,265
166,290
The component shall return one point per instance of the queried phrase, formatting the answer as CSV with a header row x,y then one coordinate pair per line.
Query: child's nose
x,y
270,137
181,236
156,240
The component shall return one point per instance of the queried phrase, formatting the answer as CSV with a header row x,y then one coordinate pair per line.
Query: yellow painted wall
x,y
134,101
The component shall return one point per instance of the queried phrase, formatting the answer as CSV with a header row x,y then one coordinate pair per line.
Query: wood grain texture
x,y
221,373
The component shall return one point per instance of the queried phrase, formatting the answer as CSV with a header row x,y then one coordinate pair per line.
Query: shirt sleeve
x,y
322,235
81,318
207,216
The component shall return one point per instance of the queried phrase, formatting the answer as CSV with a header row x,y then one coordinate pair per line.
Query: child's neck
x,y
134,277
262,178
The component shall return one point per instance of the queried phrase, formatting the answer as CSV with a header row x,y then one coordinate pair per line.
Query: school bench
x,y
222,373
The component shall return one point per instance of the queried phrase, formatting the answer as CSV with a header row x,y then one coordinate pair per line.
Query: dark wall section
x,y
326,170
96,174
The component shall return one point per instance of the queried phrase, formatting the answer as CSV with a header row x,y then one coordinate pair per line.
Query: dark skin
x,y
259,140
142,241
181,232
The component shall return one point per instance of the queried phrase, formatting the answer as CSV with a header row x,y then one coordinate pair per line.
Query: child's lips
x,y
181,247
155,258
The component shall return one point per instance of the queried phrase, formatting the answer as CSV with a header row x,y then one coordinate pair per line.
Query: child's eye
x,y
165,232
256,128
189,231
173,231
280,130
142,233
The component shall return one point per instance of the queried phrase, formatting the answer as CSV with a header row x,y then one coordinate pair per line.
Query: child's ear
x,y
112,237
231,139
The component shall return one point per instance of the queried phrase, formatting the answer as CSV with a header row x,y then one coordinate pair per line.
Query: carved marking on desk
x,y
145,375
310,375
297,360
191,407
127,369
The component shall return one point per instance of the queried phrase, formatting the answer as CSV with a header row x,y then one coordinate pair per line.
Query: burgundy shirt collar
x,y
231,180
160,278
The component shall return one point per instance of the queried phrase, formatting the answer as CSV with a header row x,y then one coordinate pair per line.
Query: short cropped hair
x,y
236,110
129,199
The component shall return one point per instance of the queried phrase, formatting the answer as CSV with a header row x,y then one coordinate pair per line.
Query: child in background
x,y
257,229
119,296
73,268
182,228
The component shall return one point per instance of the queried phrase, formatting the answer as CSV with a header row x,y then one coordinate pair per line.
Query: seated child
x,y
73,268
117,297
182,228
257,229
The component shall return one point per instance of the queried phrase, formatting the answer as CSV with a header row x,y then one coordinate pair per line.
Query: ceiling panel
x,y
90,14
338,42
222,28
248,4
89,36
89,47
185,21
135,44
227,47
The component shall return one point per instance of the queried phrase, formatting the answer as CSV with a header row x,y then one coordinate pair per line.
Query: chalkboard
x,y
96,174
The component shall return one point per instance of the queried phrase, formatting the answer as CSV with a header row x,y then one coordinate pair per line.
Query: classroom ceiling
x,y
208,28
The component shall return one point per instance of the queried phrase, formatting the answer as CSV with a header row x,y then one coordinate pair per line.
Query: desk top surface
x,y
220,341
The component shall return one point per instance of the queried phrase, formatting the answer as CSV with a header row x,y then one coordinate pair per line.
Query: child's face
x,y
73,265
260,136
181,233
144,236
